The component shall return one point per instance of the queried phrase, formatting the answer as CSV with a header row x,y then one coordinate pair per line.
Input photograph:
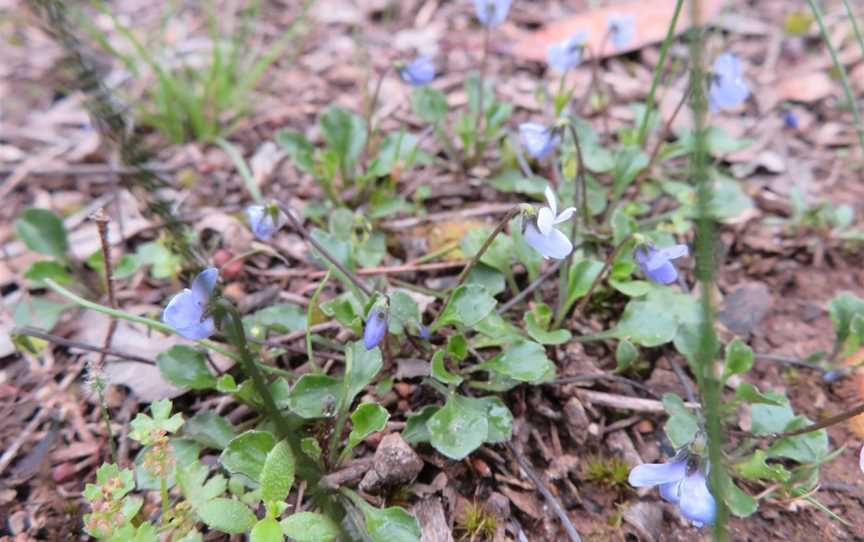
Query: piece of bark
x,y
433,522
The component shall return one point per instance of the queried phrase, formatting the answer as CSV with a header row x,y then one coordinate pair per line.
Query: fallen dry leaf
x,y
806,88
651,23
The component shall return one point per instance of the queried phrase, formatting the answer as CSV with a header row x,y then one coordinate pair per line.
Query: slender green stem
x,y
370,113
707,370
606,266
323,251
163,494
480,137
855,28
841,69
313,303
473,262
658,72
117,313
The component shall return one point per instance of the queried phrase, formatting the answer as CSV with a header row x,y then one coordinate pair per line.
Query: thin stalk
x,y
530,288
163,494
844,79
855,28
473,262
707,371
658,72
827,422
487,33
101,220
606,266
581,181
117,313
370,112
323,251
310,354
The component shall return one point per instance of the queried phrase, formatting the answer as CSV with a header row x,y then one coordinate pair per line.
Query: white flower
x,y
545,237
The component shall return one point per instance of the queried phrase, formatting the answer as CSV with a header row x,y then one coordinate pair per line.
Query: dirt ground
x,y
50,432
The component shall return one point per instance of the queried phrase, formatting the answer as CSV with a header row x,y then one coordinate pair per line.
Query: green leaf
x,y
277,475
315,396
416,430
498,416
748,393
367,418
843,309
756,468
227,515
38,312
310,447
266,530
740,503
310,527
629,162
656,318
145,532
499,255
458,428
457,347
48,269
165,264
625,354
537,323
298,148
361,367
247,453
582,275
807,448
768,419
739,358
404,312
186,367
429,105
280,318
682,425
487,277
631,288
209,429
392,524
124,268
439,370
344,132
195,487
524,361
513,180
43,232
397,151
144,427
470,304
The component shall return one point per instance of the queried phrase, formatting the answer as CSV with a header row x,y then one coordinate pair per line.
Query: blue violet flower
x,y
790,120
544,237
265,220
657,263
679,485
728,88
418,72
492,12
567,54
187,311
375,329
622,30
538,140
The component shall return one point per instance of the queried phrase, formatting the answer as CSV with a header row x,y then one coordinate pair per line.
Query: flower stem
x,y
117,313
323,251
606,266
370,112
310,354
707,371
163,494
479,136
841,69
658,72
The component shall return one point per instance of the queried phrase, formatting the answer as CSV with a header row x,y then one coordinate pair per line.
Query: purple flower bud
x,y
657,264
187,310
265,220
790,120
567,54
376,328
622,30
728,88
418,72
492,12
538,140
424,332
835,375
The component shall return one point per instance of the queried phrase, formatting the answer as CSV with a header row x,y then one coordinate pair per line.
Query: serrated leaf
x,y
366,419
756,468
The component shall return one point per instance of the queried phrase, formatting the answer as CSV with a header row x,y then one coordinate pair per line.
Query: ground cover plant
x,y
499,288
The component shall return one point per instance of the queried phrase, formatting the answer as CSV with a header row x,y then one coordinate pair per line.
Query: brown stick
x,y
40,334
